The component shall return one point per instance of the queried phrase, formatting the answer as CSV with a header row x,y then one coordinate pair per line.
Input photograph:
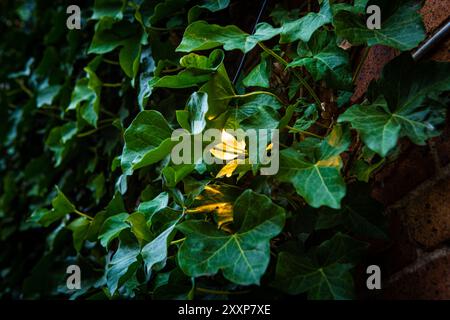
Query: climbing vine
x,y
86,123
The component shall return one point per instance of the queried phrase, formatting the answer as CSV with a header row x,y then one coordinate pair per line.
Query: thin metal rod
x,y
430,43
241,63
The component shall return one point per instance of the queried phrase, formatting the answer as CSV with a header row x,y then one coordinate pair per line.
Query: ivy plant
x,y
86,123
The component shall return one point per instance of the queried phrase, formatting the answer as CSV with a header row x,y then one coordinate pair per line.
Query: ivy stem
x,y
254,93
83,215
110,121
50,114
172,70
220,292
360,64
24,88
303,82
111,62
108,113
112,85
161,28
304,132
88,133
13,92
177,241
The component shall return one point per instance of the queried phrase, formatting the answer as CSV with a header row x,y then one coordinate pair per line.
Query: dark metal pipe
x,y
241,63
430,43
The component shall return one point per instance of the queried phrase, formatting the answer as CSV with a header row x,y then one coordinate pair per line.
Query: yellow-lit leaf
x,y
228,169
223,211
207,208
231,141
331,162
229,148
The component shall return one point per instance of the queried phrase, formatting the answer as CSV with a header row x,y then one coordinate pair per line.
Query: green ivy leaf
x,y
139,227
97,186
115,206
359,7
165,9
61,207
220,90
124,263
149,208
323,272
177,287
215,5
154,253
313,167
363,170
147,141
198,70
176,173
309,116
340,248
86,94
242,256
201,63
146,75
112,227
410,108
211,5
47,95
80,230
110,34
296,275
360,214
104,39
108,8
401,28
203,36
257,112
60,140
324,60
197,107
129,57
259,76
303,28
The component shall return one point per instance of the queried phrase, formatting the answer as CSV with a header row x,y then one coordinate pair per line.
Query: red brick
x,y
425,280
402,252
434,13
377,58
398,178
427,217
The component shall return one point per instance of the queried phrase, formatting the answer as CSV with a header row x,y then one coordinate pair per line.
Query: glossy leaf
x,y
324,273
303,28
313,167
242,256
324,60
259,76
123,264
203,36
411,108
61,207
112,227
147,140
401,26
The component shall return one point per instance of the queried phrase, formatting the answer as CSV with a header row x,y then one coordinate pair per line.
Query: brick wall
x,y
416,191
